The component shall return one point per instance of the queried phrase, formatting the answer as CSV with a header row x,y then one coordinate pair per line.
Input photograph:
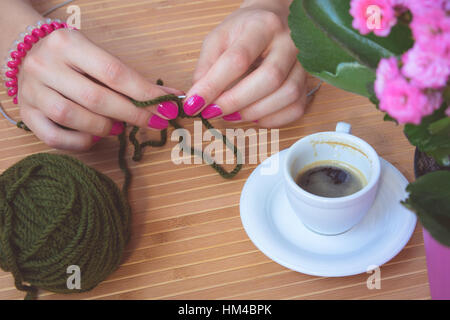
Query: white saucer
x,y
274,228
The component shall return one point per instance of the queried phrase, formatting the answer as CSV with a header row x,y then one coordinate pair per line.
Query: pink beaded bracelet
x,y
20,49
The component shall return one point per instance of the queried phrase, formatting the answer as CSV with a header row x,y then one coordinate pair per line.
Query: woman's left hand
x,y
248,69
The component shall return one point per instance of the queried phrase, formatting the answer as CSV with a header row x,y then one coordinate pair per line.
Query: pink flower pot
x,y
438,263
438,255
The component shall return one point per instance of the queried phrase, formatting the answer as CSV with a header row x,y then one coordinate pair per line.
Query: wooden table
x,y
188,241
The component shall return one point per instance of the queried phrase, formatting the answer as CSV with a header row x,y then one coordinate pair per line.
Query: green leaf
x,y
317,52
332,50
435,145
333,17
441,127
429,198
441,155
350,76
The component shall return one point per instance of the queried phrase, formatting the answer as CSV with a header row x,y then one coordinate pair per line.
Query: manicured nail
x,y
156,122
168,109
193,104
96,139
117,128
236,116
211,111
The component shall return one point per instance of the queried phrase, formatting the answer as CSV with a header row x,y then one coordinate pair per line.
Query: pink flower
x,y
405,102
430,26
447,112
387,70
419,7
373,15
434,102
426,68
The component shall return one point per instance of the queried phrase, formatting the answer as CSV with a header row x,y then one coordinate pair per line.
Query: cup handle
x,y
344,127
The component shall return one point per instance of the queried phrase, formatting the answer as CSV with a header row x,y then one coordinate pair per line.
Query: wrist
x,y
22,46
14,18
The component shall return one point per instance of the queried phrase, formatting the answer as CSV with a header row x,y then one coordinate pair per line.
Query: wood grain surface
x,y
188,241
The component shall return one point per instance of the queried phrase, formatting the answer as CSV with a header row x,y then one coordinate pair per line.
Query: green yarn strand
x,y
138,147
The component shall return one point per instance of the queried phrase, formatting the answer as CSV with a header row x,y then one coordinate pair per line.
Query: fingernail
x,y
168,109
96,139
156,122
117,128
236,116
211,111
193,104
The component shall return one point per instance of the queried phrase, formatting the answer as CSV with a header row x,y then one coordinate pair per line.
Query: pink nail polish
x,y
168,109
236,116
211,111
96,139
193,104
156,122
117,128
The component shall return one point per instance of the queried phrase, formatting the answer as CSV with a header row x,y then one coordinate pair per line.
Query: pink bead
x,y
38,33
56,25
15,101
11,73
11,83
13,78
23,47
12,91
13,63
18,55
30,39
65,25
47,28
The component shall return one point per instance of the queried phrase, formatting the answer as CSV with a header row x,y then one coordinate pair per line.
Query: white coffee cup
x,y
324,215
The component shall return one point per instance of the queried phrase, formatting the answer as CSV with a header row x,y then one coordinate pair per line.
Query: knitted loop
x,y
138,147
22,125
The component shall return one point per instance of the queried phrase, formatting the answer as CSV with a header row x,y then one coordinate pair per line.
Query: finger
x,y
109,70
168,90
292,89
289,114
100,99
51,134
231,65
70,114
263,81
166,110
212,48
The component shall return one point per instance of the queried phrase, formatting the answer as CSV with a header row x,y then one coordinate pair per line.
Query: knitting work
x,y
56,212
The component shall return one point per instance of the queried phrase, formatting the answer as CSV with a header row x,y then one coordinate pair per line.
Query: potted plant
x,y
396,53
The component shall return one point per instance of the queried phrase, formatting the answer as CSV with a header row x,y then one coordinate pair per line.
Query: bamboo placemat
x,y
188,241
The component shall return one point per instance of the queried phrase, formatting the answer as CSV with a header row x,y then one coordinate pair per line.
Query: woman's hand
x,y
248,69
65,79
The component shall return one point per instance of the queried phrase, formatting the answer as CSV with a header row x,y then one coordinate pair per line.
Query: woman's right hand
x,y
65,79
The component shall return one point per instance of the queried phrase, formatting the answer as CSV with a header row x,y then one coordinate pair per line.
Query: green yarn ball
x,y
56,212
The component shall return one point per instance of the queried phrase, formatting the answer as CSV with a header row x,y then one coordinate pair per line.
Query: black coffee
x,y
331,180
